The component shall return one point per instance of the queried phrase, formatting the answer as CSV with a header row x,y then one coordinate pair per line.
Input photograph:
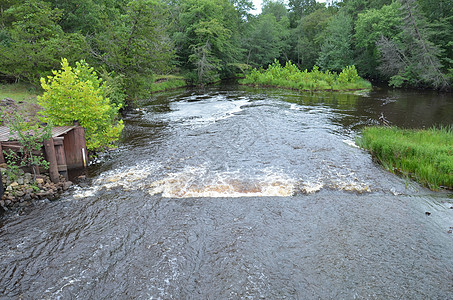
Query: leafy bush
x,y
290,76
78,94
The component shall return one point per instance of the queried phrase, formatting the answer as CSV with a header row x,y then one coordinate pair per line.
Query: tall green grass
x,y
167,82
291,77
423,155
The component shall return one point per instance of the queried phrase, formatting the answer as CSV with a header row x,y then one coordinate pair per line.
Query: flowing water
x,y
239,193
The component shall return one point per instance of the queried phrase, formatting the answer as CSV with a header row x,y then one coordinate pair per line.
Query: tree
x,y
370,27
415,60
31,29
307,38
302,8
207,39
276,8
78,94
135,44
336,51
267,40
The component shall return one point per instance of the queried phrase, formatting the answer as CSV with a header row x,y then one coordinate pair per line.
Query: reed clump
x,y
290,76
423,155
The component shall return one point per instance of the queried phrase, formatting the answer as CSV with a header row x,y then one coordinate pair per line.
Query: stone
x,y
9,188
27,197
67,185
2,203
20,194
20,180
14,184
39,181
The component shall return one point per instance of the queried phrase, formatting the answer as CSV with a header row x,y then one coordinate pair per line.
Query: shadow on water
x,y
233,192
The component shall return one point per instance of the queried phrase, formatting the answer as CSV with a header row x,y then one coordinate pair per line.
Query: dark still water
x,y
239,193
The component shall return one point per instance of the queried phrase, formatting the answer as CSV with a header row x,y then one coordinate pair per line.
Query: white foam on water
x,y
351,143
199,182
205,111
133,178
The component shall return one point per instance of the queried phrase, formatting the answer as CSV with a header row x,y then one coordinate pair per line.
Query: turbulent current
x,y
238,193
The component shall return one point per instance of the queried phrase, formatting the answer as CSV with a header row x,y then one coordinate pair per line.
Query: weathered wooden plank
x,y
61,156
2,158
49,148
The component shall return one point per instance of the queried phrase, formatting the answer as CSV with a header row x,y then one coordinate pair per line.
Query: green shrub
x,y
290,76
78,94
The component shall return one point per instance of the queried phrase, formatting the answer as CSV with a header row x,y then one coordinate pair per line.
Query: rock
x,y
39,181
7,202
20,180
67,185
14,184
9,188
20,194
41,195
2,203
27,197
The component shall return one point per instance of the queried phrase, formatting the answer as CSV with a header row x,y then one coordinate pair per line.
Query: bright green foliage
x,y
424,155
336,52
78,94
290,76
30,134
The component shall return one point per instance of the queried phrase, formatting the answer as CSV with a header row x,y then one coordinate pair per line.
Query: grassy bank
x,y
423,155
291,77
19,92
167,82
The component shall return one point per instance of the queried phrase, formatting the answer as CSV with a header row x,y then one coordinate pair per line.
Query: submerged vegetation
x,y
423,155
290,76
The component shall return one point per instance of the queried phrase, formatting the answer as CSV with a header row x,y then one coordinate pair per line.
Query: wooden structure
x,y
66,149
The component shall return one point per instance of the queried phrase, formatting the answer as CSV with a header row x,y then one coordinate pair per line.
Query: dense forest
x,y
406,43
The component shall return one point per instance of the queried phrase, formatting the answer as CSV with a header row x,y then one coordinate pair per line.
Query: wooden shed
x,y
66,150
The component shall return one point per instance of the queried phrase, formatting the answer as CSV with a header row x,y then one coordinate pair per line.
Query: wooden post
x,y
2,158
49,147
2,190
61,156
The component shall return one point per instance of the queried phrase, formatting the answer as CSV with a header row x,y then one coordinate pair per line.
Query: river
x,y
233,192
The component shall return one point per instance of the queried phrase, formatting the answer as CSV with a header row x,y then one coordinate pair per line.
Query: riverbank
x,y
167,82
423,155
22,190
